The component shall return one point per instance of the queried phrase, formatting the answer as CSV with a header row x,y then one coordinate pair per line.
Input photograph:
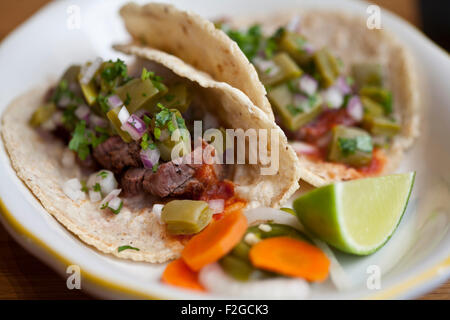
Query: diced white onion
x,y
308,85
215,280
303,148
251,239
72,189
88,71
355,108
264,214
95,196
105,179
337,274
157,210
123,115
216,205
294,24
113,194
68,158
333,98
265,227
266,66
114,204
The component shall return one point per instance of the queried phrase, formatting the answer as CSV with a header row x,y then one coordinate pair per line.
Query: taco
x,y
345,95
109,152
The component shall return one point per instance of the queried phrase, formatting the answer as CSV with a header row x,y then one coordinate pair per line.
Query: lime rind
x,y
322,212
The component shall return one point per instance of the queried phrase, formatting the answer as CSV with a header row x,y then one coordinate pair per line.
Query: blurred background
x,y
24,277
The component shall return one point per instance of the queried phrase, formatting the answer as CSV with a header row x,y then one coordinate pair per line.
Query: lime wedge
x,y
357,216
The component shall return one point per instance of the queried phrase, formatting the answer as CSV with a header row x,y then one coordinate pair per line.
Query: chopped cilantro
x,y
249,41
80,141
118,209
162,117
103,103
146,74
119,249
114,70
147,120
155,167
144,141
157,133
294,110
127,99
102,174
104,206
97,187
84,187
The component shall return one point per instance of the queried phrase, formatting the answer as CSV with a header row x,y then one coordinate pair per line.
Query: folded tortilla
x,y
348,37
196,41
37,162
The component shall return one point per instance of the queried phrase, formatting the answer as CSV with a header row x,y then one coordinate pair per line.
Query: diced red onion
x,y
157,208
150,157
333,97
113,194
294,24
123,115
355,108
88,71
114,204
96,121
343,86
83,112
304,148
114,101
95,196
216,205
308,84
135,127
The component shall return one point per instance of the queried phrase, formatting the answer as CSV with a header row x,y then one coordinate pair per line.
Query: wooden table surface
x,y
22,276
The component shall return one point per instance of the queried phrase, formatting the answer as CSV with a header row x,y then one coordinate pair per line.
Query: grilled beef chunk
x,y
131,181
172,179
114,154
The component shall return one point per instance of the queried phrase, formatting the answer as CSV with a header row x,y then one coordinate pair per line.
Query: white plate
x,y
413,262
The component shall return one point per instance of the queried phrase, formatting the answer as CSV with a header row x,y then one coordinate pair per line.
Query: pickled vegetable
x,y
89,90
367,74
42,114
186,216
381,126
327,66
237,268
71,74
173,121
293,44
379,95
113,116
177,97
136,93
295,110
280,68
352,146
276,230
371,107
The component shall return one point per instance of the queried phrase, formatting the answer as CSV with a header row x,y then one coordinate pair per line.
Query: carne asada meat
x,y
114,154
131,181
